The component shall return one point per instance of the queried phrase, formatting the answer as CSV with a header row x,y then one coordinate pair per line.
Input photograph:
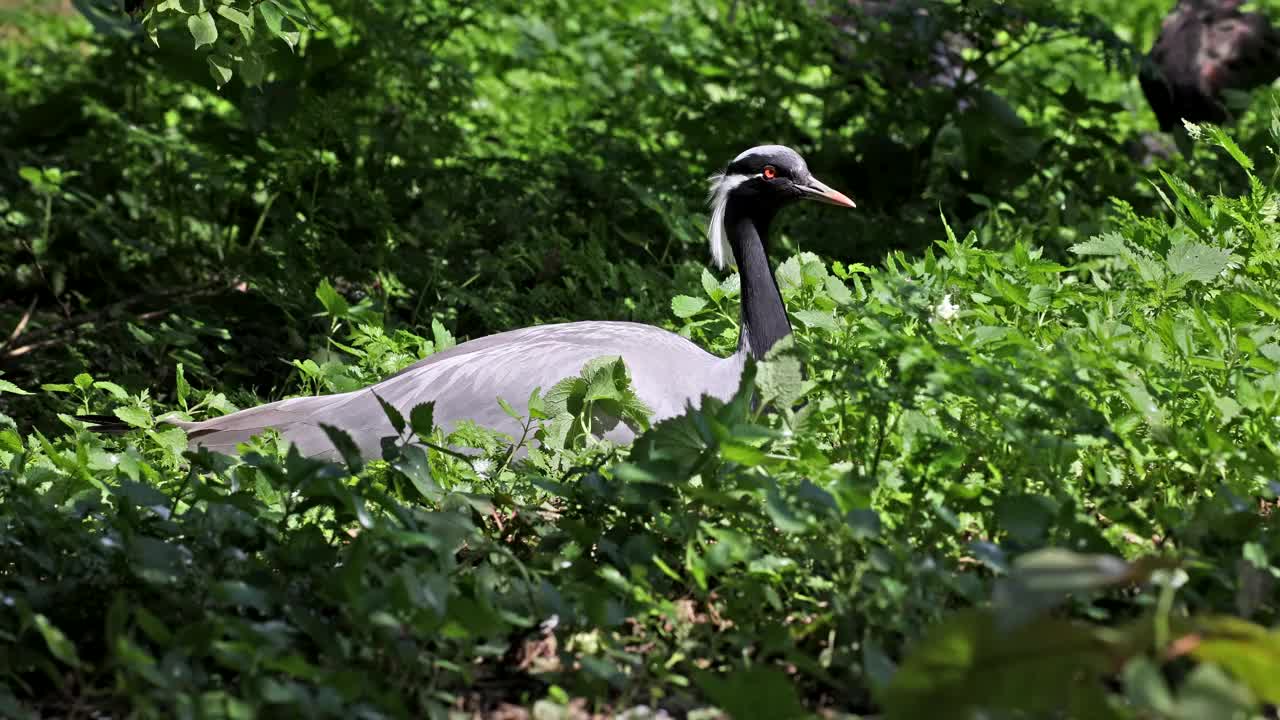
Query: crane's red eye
x,y
769,172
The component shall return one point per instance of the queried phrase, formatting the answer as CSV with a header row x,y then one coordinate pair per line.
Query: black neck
x,y
764,317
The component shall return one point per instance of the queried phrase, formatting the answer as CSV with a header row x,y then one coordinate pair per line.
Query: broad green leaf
x,y
393,415
231,13
413,463
58,643
838,291
818,319
113,389
1209,692
204,31
685,306
252,69
173,440
8,387
333,303
278,22
537,406
422,419
780,380
157,561
1249,652
1198,261
711,286
1106,245
220,68
346,447
441,337
134,416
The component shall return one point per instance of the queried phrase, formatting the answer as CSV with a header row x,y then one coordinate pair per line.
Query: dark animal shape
x,y
1206,47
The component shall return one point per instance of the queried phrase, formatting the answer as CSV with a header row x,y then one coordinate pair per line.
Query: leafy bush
x,y
1015,461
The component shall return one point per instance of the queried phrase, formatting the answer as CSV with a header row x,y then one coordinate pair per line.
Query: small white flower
x,y
1193,129
483,467
945,309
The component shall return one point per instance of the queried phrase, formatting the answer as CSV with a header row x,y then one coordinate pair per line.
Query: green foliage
x,y
1017,460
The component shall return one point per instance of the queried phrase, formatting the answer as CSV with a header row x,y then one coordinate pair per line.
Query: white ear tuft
x,y
718,198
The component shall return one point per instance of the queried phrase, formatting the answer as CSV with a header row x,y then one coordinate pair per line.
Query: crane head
x,y
770,177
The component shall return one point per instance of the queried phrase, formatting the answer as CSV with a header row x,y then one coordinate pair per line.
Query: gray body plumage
x,y
667,372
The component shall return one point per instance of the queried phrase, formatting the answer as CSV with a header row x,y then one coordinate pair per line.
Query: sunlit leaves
x,y
203,29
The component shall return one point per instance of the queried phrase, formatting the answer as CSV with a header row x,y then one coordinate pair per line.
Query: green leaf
x,y
1228,409
134,416
784,517
1224,141
1188,199
397,420
58,643
817,319
1107,245
203,29
602,381
252,69
970,666
413,463
333,303
685,306
346,447
1208,692
510,411
279,23
1197,261
711,286
537,406
422,419
172,440
8,387
234,15
184,390
780,380
441,337
33,176
1249,652
157,561
84,381
838,291
1146,686
113,389
219,68
755,692
271,14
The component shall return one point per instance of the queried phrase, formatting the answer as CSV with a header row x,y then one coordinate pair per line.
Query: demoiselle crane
x,y
667,371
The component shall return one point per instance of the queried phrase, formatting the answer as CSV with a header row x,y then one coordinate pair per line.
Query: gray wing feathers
x,y
465,381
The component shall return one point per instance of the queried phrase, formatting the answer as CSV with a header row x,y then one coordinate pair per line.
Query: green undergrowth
x,y
976,479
